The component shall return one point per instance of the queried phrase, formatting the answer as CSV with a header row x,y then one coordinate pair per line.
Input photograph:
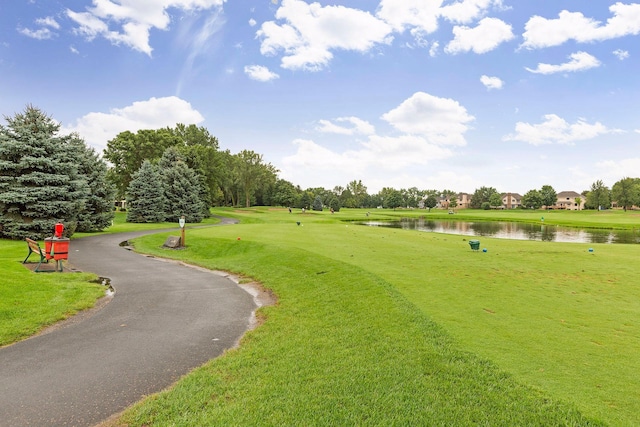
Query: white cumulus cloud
x,y
260,73
442,121
621,54
98,128
427,129
579,61
130,21
541,32
556,130
491,82
307,34
485,37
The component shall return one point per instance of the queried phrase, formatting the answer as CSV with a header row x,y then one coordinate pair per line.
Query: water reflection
x,y
513,230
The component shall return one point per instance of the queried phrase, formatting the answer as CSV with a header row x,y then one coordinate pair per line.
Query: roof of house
x,y
565,194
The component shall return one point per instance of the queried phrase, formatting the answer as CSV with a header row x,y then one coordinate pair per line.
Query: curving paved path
x,y
164,320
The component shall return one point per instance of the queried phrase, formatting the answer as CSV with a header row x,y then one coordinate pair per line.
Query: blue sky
x,y
400,93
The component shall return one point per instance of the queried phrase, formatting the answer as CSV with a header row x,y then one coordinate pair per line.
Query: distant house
x,y
567,200
463,201
511,200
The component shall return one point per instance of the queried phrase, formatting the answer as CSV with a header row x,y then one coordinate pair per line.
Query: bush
x,y
486,206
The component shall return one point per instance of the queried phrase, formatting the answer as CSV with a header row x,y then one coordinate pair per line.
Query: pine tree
x,y
39,180
182,188
145,195
98,213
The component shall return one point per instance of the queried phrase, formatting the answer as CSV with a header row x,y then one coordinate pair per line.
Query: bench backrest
x,y
34,245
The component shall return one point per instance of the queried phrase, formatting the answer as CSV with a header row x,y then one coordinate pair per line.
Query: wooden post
x,y
182,239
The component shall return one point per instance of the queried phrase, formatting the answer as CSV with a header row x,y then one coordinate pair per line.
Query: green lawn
x,y
384,326
378,326
29,301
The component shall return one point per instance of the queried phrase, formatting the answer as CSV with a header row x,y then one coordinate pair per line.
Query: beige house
x,y
463,201
567,200
511,200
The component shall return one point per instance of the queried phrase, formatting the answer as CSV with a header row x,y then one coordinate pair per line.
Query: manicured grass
x,y
120,225
29,301
381,326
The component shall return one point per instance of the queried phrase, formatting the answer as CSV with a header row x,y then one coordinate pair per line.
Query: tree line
x,y
166,173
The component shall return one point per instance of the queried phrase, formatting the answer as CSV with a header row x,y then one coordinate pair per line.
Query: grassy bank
x,y
385,326
30,301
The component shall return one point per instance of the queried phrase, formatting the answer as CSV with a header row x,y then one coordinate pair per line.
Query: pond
x,y
513,230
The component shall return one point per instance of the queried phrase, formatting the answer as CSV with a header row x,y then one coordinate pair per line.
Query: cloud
x,y
485,37
39,34
49,21
359,126
418,14
541,32
308,33
614,170
427,128
252,22
491,82
98,128
466,11
442,121
195,35
133,19
556,130
580,61
260,73
621,54
433,51
44,32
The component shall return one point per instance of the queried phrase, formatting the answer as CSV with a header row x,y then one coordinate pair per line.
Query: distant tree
x,y
40,184
182,188
495,200
145,195
127,151
578,202
626,192
98,212
334,204
359,193
317,203
532,200
482,195
391,198
599,197
430,202
252,173
305,200
453,202
284,194
548,196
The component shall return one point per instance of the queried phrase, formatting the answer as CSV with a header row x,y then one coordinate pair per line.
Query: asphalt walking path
x,y
164,320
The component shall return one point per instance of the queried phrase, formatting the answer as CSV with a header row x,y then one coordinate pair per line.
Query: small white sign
x,y
181,222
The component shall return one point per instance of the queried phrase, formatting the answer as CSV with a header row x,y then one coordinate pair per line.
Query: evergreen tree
x,y
145,195
182,188
317,203
98,212
39,180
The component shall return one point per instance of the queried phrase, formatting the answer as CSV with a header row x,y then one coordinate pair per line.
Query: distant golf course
x,y
380,326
